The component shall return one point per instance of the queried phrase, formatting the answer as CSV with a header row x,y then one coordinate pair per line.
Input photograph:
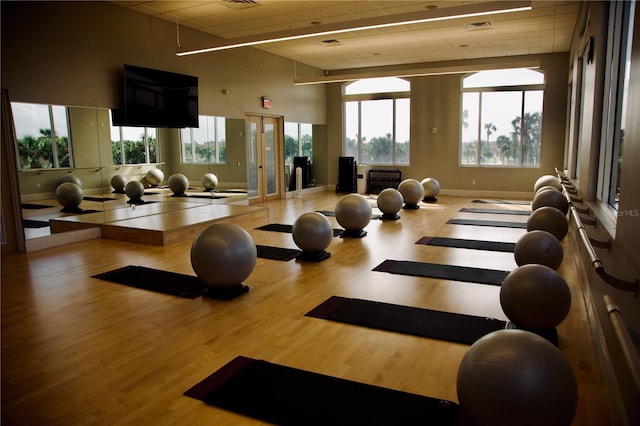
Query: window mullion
x,y
522,130
54,145
479,144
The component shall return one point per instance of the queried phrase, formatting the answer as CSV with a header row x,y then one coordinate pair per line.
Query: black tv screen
x,y
154,98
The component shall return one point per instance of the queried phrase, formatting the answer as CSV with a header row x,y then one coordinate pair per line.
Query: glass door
x,y
264,145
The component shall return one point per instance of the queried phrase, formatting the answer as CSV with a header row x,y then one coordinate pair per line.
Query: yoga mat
x,y
447,272
468,244
440,325
30,206
496,211
289,396
155,280
277,253
279,227
494,223
100,199
34,224
515,202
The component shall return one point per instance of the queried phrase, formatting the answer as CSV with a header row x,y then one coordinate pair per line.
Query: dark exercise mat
x,y
447,272
289,396
495,211
172,283
30,206
494,223
277,253
280,227
100,199
440,325
33,224
468,244
515,202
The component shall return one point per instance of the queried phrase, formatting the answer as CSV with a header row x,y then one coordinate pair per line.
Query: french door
x,y
264,158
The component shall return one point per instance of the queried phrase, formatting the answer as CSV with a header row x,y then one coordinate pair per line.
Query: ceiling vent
x,y
476,26
330,42
240,4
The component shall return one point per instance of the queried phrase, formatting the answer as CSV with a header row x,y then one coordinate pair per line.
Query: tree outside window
x,y
205,144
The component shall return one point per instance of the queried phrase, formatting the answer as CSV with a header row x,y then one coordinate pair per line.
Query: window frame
x,y
298,139
147,156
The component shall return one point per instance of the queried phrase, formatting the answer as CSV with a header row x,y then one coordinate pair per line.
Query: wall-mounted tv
x,y
154,98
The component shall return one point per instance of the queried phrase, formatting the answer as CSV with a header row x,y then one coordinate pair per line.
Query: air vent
x,y
330,42
476,26
240,4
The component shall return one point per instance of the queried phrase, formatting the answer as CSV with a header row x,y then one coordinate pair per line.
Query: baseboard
x,y
313,189
492,194
62,238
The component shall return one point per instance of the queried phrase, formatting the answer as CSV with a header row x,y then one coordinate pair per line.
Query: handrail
x,y
628,349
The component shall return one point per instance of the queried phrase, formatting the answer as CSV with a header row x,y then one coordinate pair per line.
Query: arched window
x,y
376,121
501,120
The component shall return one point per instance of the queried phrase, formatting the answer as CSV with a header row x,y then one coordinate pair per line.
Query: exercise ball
x,y
549,219
431,188
154,177
535,297
69,195
118,182
540,247
515,377
353,213
551,199
209,181
134,190
545,188
178,183
70,178
312,232
547,180
223,254
145,183
390,202
412,193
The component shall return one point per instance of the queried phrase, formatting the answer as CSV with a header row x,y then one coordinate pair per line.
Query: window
x,y
377,121
502,118
133,145
37,126
205,144
298,141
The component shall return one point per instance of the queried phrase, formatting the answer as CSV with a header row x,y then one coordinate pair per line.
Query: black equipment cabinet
x,y
305,165
379,179
346,175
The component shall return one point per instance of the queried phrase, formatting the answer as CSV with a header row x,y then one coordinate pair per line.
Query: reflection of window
x,y
133,145
376,121
502,118
36,126
298,141
205,144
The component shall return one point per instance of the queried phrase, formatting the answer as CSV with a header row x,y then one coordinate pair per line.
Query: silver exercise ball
x,y
70,178
515,377
390,201
549,219
540,247
134,189
69,195
223,254
209,181
551,199
412,192
545,188
154,176
118,182
178,183
547,180
312,232
431,188
535,297
353,212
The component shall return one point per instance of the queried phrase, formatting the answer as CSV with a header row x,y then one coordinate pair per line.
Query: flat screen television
x,y
154,98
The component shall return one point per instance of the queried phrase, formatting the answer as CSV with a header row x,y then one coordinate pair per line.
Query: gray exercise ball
x,y
549,219
547,180
154,176
515,377
539,247
209,181
545,188
134,189
431,188
178,183
535,297
118,183
312,232
70,178
353,212
412,192
69,194
223,254
390,201
551,199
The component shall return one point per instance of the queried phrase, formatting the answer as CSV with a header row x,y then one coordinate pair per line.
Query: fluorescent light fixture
x,y
456,12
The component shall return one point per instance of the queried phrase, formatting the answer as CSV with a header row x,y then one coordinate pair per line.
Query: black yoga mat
x,y
447,272
495,211
440,325
494,223
100,199
33,224
155,280
277,253
468,244
280,227
289,396
30,206
515,202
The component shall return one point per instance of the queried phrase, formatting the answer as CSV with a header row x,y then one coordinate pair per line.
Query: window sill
x,y
606,216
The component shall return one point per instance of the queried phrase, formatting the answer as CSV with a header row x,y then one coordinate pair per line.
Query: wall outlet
x,y
473,182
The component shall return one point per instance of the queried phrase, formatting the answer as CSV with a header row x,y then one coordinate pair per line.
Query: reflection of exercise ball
x,y
431,189
154,177
353,213
412,192
118,182
535,297
70,178
209,181
549,219
539,247
134,190
69,195
551,199
547,180
145,183
390,202
223,254
312,232
514,377
178,183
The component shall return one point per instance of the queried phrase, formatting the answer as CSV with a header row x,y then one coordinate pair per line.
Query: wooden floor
x,y
81,351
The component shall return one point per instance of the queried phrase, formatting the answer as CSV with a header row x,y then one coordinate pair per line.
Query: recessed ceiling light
x,y
316,23
464,45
